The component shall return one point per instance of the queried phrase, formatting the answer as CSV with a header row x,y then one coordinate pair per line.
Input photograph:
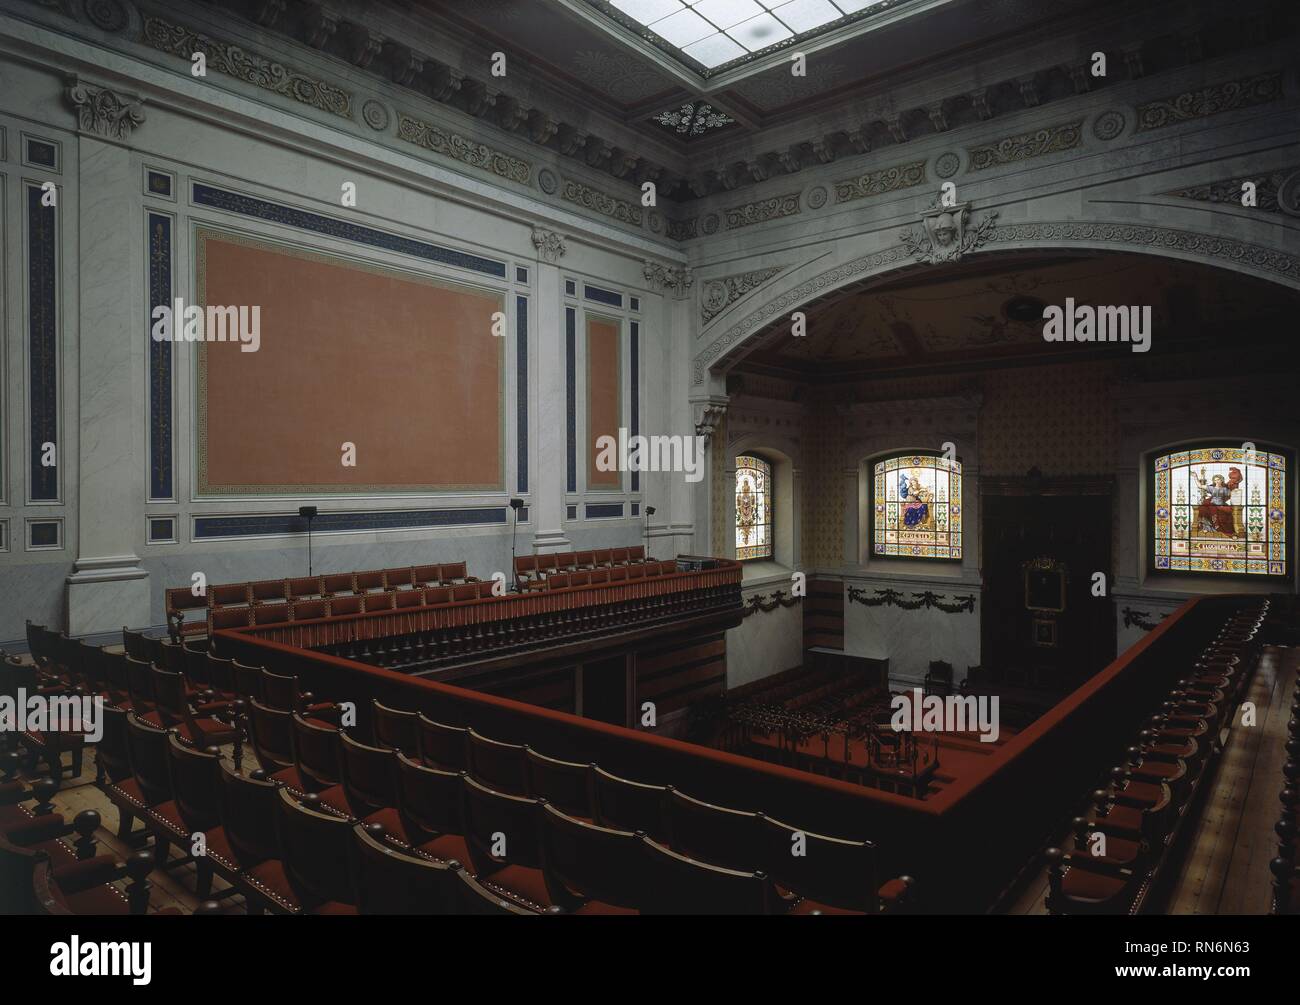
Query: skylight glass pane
x,y
759,32
725,13
682,28
805,15
714,51
645,11
852,6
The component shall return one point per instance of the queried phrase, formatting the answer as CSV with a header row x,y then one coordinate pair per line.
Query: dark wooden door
x,y
1072,529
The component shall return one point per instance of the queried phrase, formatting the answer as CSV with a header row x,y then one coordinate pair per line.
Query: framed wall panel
x,y
403,366
604,395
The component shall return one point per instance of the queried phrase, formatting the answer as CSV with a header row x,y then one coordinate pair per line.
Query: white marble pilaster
x,y
108,588
547,504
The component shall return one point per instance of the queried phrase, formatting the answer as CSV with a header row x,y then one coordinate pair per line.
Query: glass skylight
x,y
714,32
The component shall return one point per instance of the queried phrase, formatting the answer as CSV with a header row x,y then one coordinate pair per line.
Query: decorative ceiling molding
x,y
458,148
601,202
248,66
104,112
719,294
1275,192
1210,100
889,179
1134,237
1025,146
749,213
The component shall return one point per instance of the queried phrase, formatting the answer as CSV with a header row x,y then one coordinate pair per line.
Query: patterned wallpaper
x,y
823,488
1059,418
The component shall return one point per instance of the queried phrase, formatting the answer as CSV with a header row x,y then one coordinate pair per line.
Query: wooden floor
x,y
1225,866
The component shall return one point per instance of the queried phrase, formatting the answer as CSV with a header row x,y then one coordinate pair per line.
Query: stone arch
x,y
794,291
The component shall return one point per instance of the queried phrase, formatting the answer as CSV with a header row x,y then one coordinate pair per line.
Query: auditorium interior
x,y
610,457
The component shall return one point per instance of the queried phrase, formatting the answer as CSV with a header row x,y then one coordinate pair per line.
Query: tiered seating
x,y
328,824
1140,811
536,572
307,598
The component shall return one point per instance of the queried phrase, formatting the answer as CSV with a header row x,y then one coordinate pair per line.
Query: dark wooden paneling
x,y
823,614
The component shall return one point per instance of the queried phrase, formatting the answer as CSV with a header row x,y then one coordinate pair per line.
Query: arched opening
x,y
1054,429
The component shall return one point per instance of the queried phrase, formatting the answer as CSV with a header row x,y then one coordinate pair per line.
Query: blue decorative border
x,y
521,391
602,296
43,340
160,360
597,510
211,527
571,391
247,205
635,366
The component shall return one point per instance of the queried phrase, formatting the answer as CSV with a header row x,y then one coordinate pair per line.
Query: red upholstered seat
x,y
1092,886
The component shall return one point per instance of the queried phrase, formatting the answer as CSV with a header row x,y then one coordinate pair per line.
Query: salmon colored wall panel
x,y
604,395
405,367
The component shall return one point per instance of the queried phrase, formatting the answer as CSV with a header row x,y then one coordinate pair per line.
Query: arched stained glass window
x,y
753,508
1219,510
917,507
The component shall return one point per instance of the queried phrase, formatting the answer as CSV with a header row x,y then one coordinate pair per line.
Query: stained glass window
x,y
917,508
753,508
1219,510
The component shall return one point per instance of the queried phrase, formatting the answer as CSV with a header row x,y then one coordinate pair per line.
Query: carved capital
x,y
708,414
103,112
666,277
550,245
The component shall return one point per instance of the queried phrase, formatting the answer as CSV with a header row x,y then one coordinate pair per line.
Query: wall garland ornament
x,y
719,294
758,602
247,66
458,148
1140,619
927,599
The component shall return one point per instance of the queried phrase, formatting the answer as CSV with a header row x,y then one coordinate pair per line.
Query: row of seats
x,y
327,816
599,577
1286,872
44,871
530,568
312,610
181,602
1127,834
